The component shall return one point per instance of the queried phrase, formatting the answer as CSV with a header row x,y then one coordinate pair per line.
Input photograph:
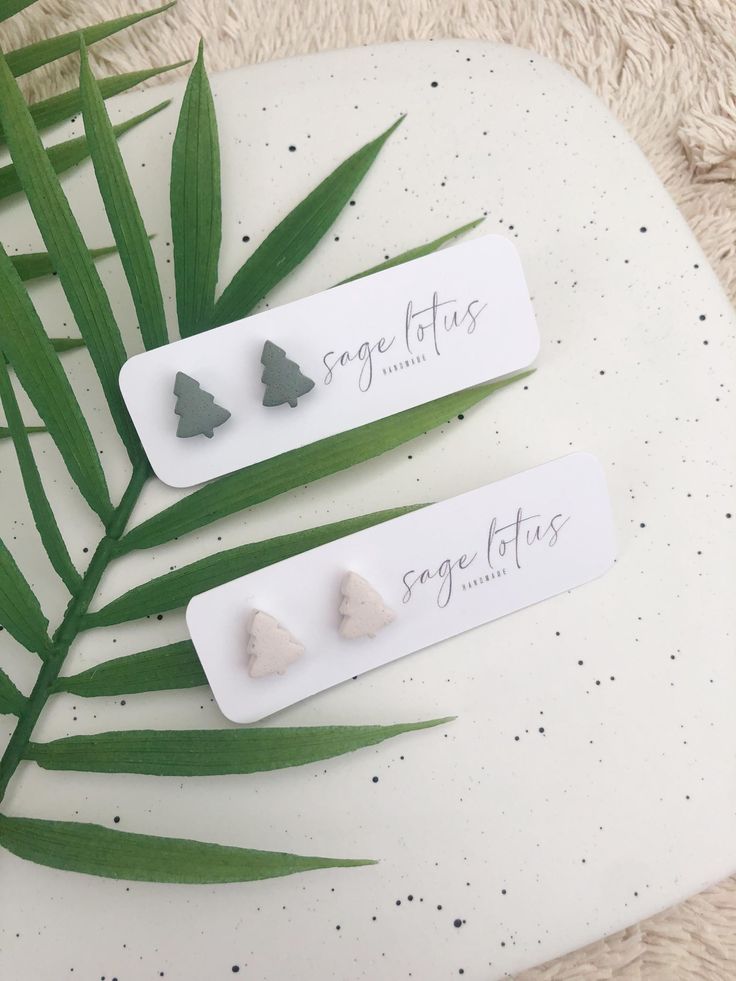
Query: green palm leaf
x,y
196,210
20,612
62,344
211,752
10,7
11,700
294,238
196,222
34,265
64,156
161,669
55,110
415,253
175,589
6,434
96,850
37,366
79,279
268,479
122,211
32,56
43,516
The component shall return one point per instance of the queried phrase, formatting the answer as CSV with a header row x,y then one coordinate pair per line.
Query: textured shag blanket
x,y
667,70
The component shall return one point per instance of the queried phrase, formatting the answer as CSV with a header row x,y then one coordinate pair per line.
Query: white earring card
x,y
441,570
371,348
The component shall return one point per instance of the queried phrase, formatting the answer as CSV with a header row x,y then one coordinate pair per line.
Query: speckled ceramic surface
x,y
589,778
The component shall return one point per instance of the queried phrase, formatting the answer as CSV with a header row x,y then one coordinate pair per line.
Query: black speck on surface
x,y
435,84
292,148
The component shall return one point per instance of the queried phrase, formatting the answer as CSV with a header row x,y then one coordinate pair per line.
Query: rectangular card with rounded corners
x,y
278,635
247,391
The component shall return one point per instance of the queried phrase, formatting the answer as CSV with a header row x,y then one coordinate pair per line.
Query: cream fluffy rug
x,y
666,68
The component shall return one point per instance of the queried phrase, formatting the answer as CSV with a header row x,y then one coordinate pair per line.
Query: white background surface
x,y
625,802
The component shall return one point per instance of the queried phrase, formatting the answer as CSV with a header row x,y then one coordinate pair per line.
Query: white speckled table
x,y
589,778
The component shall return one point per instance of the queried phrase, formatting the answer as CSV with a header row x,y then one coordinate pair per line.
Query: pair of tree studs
x,y
271,649
200,415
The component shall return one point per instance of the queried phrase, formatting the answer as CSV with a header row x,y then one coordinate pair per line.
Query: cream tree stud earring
x,y
271,648
363,611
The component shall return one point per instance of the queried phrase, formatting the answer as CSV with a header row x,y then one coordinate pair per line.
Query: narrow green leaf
x,y
196,209
32,56
122,211
294,238
30,352
62,344
80,281
282,473
50,112
10,7
43,516
34,265
175,589
95,850
161,669
20,612
5,432
417,252
11,700
64,156
210,752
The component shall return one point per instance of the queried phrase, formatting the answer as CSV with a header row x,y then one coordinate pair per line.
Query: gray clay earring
x,y
271,648
362,608
283,380
199,414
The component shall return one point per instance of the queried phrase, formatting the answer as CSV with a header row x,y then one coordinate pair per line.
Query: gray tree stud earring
x,y
283,380
199,414
271,648
363,611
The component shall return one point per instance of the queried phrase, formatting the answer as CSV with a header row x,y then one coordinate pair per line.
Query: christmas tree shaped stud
x,y
199,414
271,648
283,380
363,611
